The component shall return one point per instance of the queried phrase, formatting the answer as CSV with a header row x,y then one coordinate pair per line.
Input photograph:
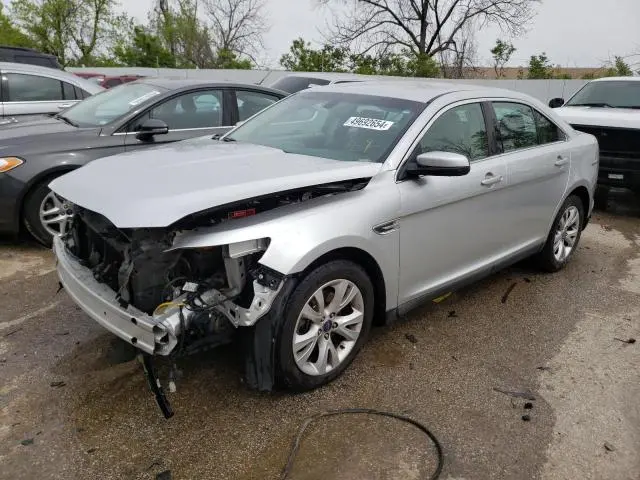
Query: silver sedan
x,y
334,209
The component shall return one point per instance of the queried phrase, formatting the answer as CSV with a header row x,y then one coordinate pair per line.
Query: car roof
x,y
90,87
185,83
416,90
613,79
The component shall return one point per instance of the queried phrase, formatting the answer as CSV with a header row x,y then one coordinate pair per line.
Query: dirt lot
x,y
72,405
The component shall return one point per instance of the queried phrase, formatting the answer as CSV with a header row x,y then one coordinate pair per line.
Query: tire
x,y
289,372
31,212
550,259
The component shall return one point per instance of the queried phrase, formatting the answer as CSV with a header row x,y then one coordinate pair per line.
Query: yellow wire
x,y
165,305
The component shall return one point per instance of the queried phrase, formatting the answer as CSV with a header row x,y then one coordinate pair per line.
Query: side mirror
x,y
556,102
440,164
151,127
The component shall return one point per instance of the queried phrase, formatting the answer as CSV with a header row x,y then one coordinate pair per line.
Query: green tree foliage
x,y
10,35
302,57
144,49
228,59
540,67
73,30
620,68
502,52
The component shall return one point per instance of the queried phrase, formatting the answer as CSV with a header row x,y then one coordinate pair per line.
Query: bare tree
x,y
237,26
422,27
461,58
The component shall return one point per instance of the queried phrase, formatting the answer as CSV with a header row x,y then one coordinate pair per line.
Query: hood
x,y
600,117
158,187
32,134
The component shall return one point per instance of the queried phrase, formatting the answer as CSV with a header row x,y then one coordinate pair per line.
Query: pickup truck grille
x,y
615,142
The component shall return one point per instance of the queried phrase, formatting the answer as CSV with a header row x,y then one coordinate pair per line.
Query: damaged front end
x,y
172,301
193,297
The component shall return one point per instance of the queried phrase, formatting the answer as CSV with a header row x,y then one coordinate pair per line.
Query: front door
x,y
189,115
451,227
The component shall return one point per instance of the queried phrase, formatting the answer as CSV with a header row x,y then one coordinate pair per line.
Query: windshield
x,y
112,104
340,126
614,94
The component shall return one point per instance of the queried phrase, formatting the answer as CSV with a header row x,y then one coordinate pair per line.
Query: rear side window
x,y
516,126
459,130
548,132
33,88
69,91
250,103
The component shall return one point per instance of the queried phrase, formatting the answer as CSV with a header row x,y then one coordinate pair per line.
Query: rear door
x,y
188,115
538,158
32,95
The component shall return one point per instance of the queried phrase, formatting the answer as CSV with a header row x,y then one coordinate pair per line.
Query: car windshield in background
x,y
613,94
112,104
295,84
340,126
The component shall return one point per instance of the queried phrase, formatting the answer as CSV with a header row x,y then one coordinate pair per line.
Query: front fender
x,y
301,233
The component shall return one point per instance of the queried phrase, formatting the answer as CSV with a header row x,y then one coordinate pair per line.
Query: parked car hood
x,y
157,187
600,117
32,135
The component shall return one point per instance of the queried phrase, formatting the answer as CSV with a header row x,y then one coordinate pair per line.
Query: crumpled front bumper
x,y
99,302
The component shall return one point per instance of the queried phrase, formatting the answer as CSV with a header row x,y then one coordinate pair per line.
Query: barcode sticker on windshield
x,y
143,98
370,123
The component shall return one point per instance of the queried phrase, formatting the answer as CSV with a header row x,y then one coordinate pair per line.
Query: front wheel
x,y
564,236
45,213
327,320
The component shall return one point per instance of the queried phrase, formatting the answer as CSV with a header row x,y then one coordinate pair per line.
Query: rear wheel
x,y
45,213
327,320
563,239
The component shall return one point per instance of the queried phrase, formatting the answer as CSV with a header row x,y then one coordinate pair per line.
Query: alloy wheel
x,y
55,214
566,234
328,327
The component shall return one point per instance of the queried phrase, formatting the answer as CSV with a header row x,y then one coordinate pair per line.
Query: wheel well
x,y
370,266
46,177
583,194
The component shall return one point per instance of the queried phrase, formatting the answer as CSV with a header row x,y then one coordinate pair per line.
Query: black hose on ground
x,y
296,443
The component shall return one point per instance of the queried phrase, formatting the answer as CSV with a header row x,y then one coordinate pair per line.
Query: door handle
x,y
561,161
491,179
62,106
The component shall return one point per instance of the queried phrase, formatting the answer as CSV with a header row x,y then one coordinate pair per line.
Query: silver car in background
x,y
334,209
29,91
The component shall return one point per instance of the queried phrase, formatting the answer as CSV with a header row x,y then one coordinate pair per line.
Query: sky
x,y
573,33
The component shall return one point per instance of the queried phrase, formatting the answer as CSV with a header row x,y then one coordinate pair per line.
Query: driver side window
x,y
460,130
202,109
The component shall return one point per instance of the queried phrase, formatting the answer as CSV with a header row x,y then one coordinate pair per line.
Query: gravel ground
x,y
73,405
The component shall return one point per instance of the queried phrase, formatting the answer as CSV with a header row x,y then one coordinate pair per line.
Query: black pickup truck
x,y
609,109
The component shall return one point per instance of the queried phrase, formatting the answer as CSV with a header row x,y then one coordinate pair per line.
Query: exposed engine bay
x,y
198,295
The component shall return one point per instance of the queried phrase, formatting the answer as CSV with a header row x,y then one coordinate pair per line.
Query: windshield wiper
x,y
66,120
218,136
595,104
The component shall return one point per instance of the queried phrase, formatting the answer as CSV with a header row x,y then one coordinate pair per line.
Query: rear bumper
x,y
99,302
